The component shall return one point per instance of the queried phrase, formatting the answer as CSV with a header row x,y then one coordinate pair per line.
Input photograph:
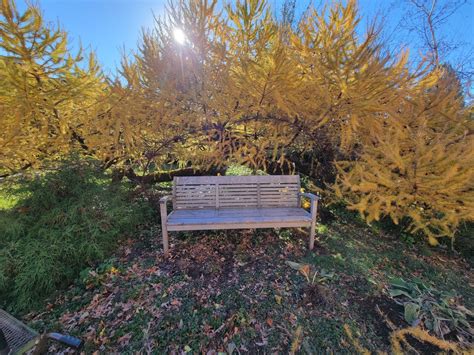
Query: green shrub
x,y
65,220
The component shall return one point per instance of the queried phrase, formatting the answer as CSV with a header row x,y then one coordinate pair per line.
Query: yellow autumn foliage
x,y
246,88
46,93
243,88
421,166
398,340
400,345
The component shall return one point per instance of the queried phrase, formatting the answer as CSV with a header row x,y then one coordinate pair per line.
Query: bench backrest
x,y
222,192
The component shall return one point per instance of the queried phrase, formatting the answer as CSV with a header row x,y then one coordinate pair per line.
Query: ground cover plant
x,y
62,222
440,312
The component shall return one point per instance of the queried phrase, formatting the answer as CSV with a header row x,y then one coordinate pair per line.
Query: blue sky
x,y
111,26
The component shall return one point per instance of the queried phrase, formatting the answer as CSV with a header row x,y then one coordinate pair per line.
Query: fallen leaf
x,y
175,302
293,265
305,269
124,339
83,317
231,348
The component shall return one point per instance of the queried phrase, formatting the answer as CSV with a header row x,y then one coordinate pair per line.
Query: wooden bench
x,y
237,202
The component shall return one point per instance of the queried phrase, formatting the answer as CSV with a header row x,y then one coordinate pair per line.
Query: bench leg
x,y
164,227
312,233
165,239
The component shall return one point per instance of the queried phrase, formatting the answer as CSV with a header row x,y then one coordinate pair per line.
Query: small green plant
x,y
311,275
284,234
407,239
7,200
439,312
240,170
91,277
322,229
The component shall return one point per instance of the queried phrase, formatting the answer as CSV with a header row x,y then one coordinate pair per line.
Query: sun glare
x,y
179,36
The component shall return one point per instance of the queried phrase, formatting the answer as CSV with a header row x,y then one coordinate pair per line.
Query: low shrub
x,y
64,221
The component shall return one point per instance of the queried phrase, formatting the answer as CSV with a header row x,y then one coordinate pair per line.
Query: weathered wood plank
x,y
242,212
236,179
272,224
234,191
237,220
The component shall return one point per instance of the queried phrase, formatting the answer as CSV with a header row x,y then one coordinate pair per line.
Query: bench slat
x,y
221,192
253,225
242,215
199,180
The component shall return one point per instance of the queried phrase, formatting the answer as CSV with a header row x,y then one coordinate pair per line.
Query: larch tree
x,y
46,93
161,113
206,100
420,167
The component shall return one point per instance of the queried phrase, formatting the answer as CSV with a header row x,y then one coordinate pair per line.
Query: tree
x,y
345,80
421,166
207,100
426,19
242,87
46,93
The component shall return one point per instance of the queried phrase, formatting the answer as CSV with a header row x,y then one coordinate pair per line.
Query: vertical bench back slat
x,y
222,192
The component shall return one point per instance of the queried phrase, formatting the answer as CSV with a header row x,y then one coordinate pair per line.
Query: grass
x,y
233,290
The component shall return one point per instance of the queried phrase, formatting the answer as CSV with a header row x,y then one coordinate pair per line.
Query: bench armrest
x,y
314,211
309,195
163,211
165,199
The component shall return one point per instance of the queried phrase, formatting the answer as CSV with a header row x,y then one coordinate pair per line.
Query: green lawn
x,y
233,290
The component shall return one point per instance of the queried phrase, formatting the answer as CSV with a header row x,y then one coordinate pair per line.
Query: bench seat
x,y
237,202
238,218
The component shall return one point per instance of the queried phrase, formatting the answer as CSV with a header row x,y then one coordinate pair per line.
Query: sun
x,y
179,35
